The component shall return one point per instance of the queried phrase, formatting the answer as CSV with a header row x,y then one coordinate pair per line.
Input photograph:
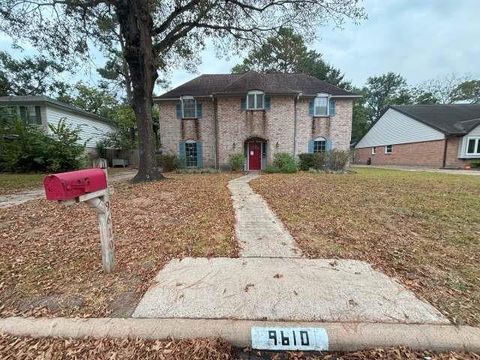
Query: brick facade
x,y
276,126
427,153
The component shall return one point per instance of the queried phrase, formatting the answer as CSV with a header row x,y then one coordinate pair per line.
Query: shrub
x,y
27,148
168,162
338,160
197,171
320,160
335,160
102,148
270,169
475,163
236,162
282,162
307,161
315,161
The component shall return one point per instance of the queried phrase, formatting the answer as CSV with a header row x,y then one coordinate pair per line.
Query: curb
x,y
342,336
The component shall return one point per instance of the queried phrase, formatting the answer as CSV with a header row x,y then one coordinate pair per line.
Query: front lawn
x,y
422,228
50,261
10,183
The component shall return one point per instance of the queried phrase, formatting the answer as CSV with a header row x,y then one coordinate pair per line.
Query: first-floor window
x,y
189,107
374,150
319,146
191,156
473,146
388,149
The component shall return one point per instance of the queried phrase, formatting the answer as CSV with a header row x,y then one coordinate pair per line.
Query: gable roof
x,y
44,100
454,119
271,83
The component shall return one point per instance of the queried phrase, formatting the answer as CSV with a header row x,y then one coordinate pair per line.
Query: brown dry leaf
x,y
422,228
50,261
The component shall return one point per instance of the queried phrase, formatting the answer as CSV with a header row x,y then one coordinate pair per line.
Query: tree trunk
x,y
136,28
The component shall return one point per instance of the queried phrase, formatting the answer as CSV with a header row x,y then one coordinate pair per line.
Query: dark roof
x,y
455,119
43,100
236,84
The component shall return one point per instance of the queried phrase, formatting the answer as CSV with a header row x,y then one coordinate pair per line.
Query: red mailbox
x,y
70,185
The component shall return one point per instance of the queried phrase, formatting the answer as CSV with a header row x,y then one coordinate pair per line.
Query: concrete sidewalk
x,y
281,289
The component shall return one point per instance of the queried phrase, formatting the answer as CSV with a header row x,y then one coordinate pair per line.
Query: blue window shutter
x,y
179,110
243,103
199,110
328,145
199,155
181,153
331,109
310,107
310,146
267,102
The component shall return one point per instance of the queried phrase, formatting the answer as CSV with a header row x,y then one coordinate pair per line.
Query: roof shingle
x,y
454,119
271,83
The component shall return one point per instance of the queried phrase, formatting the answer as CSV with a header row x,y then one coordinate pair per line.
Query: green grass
x,y
15,182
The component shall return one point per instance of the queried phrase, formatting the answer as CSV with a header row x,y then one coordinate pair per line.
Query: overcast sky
x,y
420,39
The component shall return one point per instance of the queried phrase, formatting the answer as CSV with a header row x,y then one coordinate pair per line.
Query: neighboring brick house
x,y
441,136
211,117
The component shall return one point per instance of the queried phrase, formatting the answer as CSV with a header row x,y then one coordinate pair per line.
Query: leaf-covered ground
x,y
422,228
20,348
50,261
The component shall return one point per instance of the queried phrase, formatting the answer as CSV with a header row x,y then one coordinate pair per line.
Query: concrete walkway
x,y
272,282
259,231
35,194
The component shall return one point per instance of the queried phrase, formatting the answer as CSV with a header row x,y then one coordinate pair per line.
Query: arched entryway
x,y
255,153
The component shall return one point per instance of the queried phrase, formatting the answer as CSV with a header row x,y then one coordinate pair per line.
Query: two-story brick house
x,y
211,117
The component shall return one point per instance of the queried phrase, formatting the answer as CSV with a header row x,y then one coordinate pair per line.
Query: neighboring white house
x,y
42,110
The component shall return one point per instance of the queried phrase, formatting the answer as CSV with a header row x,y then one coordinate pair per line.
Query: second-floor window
x,y
321,105
189,107
255,100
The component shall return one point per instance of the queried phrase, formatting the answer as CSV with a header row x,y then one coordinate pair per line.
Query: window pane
x,y
259,104
478,146
321,106
251,101
388,149
191,154
188,108
471,146
8,114
319,146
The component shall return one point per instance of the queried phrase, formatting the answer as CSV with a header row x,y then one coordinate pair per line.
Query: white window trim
x,y
388,152
196,159
374,150
320,138
321,96
477,140
195,104
255,93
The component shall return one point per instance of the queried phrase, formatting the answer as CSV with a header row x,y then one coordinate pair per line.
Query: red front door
x,y
254,156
